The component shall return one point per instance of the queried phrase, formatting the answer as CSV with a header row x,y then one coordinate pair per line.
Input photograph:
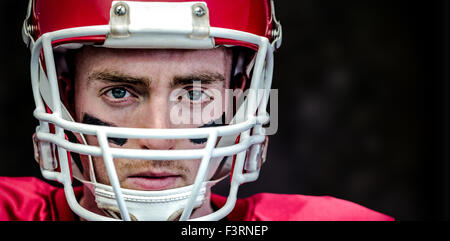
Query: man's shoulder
x,y
30,186
27,198
294,207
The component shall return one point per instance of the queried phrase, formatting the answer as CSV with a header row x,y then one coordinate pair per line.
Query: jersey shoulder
x,y
268,206
290,207
30,199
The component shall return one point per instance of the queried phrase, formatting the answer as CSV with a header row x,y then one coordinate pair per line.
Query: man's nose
x,y
156,116
157,144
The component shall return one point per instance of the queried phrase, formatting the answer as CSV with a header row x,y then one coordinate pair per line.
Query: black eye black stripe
x,y
214,123
89,119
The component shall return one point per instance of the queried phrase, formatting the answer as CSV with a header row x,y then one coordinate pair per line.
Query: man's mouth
x,y
153,181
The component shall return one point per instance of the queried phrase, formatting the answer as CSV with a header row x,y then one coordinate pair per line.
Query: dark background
x,y
363,104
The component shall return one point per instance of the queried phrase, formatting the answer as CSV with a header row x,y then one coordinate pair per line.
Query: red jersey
x,y
32,199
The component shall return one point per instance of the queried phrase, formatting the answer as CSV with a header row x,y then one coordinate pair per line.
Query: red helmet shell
x,y
252,16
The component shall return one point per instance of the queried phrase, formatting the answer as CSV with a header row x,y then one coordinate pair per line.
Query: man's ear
x,y
66,90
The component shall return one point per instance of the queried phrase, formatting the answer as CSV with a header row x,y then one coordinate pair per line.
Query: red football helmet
x,y
53,26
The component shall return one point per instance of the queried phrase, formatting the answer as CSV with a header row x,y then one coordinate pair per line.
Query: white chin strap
x,y
164,205
148,205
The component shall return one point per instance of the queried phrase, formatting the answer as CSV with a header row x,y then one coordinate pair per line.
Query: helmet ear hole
x,y
65,68
239,81
65,85
242,62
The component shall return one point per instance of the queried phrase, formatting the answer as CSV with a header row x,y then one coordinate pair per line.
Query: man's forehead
x,y
154,61
148,54
176,66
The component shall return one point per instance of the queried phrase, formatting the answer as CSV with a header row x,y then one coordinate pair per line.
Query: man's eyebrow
x,y
117,77
203,78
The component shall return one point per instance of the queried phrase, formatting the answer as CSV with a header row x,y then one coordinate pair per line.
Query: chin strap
x,y
147,205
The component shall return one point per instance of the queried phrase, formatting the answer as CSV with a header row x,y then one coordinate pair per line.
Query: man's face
x,y
150,89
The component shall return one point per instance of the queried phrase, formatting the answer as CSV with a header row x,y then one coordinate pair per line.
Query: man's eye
x,y
197,96
118,93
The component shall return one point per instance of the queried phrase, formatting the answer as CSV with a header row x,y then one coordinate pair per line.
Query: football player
x,y
148,104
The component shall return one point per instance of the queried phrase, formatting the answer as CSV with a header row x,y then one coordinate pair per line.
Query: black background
x,y
363,104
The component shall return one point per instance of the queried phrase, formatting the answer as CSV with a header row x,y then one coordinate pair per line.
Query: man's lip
x,y
152,174
153,181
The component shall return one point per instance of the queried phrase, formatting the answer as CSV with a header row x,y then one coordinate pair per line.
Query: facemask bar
x,y
45,43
